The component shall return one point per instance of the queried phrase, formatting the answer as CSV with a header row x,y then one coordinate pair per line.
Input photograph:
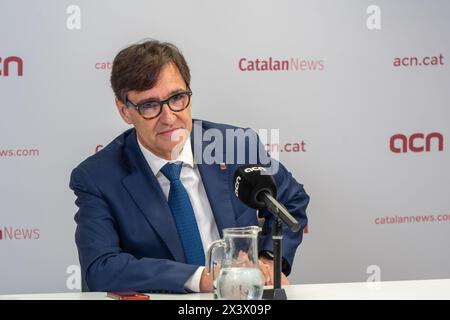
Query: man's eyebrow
x,y
156,99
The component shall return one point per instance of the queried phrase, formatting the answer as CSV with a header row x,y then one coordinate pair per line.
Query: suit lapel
x,y
216,182
145,190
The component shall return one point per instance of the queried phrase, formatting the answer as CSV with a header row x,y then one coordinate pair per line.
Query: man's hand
x,y
206,280
266,267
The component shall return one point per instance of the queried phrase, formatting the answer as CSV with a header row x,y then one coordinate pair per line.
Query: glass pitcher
x,y
239,277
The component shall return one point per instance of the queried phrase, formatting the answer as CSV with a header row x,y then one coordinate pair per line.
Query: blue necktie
x,y
183,214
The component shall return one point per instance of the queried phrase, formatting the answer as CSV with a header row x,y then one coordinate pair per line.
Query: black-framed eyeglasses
x,y
151,109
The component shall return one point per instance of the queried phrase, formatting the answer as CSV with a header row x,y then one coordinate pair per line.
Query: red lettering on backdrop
x,y
20,234
438,136
415,143
403,139
241,61
414,137
98,148
6,63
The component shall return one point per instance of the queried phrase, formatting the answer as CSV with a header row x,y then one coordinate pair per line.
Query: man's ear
x,y
123,111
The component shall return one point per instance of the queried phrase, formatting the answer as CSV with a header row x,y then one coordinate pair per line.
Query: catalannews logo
x,y
6,63
13,233
417,142
272,64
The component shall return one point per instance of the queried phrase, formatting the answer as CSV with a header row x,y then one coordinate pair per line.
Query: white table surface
x,y
385,290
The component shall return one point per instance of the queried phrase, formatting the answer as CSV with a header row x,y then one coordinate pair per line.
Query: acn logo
x,y
4,67
400,143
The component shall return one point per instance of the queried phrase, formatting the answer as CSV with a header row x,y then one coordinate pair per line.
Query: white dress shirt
x,y
192,182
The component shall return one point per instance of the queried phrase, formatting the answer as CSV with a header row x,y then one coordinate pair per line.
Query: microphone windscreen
x,y
250,181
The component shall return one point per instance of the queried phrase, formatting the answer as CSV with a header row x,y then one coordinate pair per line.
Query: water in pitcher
x,y
240,284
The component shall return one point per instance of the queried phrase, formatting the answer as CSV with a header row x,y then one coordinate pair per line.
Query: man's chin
x,y
171,147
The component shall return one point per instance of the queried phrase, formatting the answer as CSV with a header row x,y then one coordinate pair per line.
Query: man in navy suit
x,y
128,231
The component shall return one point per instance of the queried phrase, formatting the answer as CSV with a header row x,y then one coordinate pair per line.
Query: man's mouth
x,y
168,132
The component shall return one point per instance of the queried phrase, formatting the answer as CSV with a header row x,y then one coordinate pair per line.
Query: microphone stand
x,y
277,293
280,214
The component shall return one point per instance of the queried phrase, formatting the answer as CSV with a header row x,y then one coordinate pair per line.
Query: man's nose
x,y
167,115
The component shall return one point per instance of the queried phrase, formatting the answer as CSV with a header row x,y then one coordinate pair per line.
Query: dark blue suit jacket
x,y
126,236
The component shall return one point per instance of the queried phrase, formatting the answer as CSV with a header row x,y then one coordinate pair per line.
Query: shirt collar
x,y
156,163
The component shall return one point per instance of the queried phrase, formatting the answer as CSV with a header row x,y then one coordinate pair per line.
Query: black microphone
x,y
255,187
